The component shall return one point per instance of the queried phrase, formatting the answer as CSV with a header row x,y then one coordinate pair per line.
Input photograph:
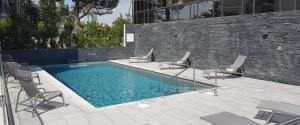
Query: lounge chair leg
x,y
33,108
17,102
269,119
242,70
39,79
7,75
63,99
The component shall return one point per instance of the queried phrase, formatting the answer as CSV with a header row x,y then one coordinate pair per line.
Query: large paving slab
x,y
237,95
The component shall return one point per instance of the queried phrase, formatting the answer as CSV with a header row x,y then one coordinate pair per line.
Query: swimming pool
x,y
107,84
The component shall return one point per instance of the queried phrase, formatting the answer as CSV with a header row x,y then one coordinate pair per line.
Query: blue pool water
x,y
108,84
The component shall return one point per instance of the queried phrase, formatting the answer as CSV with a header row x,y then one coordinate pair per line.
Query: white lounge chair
x,y
233,69
35,96
183,62
146,58
12,68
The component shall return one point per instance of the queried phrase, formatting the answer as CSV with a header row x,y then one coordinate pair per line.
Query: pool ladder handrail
x,y
194,80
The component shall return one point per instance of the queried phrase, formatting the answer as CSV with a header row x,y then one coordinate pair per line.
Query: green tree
x,y
65,25
5,36
93,34
48,23
17,29
98,35
86,7
117,30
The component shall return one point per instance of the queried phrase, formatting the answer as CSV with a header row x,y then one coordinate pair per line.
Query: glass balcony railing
x,y
149,11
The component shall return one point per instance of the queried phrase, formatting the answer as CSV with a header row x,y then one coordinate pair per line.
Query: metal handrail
x,y
194,74
180,72
7,106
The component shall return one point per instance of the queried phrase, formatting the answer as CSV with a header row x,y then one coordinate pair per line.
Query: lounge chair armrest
x,y
24,66
34,73
42,89
134,57
224,66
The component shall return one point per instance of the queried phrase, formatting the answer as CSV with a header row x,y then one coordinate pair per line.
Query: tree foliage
x,y
83,8
50,24
47,24
100,35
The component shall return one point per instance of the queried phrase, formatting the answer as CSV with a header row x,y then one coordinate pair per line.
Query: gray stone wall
x,y
271,42
63,56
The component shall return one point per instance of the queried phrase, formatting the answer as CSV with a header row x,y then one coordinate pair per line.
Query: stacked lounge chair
x,y
12,68
290,111
277,108
35,96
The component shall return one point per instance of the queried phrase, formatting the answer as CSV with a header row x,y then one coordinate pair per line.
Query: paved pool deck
x,y
237,95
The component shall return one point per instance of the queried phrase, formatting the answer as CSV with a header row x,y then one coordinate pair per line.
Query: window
x,y
167,14
135,6
158,15
203,9
148,11
138,5
151,16
139,17
142,5
147,16
287,5
173,13
176,2
232,7
184,12
263,6
248,6
147,4
194,10
217,8
298,4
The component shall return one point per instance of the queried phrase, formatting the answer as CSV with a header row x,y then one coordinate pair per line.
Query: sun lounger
x,y
35,96
234,68
146,58
279,108
226,118
183,62
12,68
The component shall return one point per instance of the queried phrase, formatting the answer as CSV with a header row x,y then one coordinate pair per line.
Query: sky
x,y
122,8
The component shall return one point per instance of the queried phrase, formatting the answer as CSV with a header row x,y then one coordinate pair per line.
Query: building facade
x,y
149,11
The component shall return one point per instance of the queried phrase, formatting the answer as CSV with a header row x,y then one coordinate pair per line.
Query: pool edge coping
x,y
90,106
